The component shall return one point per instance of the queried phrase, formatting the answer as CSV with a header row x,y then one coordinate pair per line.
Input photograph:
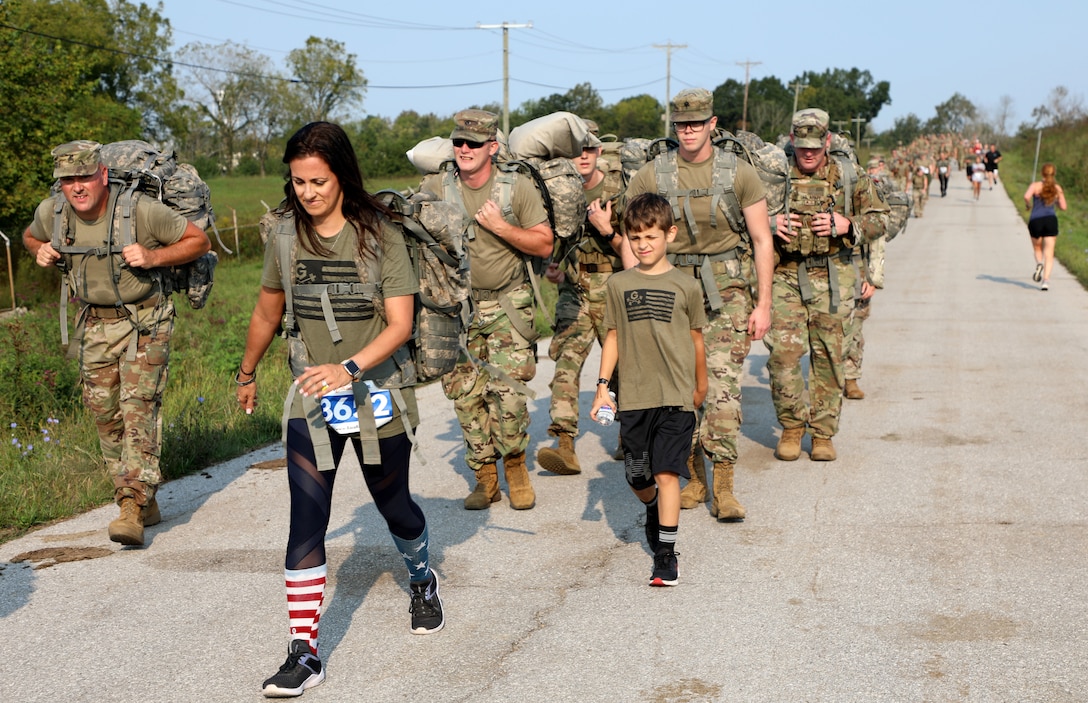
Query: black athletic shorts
x,y
1045,226
655,441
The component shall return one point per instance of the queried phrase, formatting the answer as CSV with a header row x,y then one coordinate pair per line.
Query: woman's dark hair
x,y
330,143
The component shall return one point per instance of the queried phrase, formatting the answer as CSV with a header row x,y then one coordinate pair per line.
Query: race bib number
x,y
340,413
944,170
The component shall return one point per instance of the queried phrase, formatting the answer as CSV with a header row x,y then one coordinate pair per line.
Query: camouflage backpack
x,y
434,235
137,169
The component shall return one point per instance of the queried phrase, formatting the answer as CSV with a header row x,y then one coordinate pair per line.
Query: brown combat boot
x,y
822,449
852,391
486,491
725,506
695,493
522,496
789,445
562,461
129,527
150,514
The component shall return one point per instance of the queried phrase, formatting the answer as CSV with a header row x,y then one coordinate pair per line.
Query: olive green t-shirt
x,y
692,176
356,317
653,316
156,226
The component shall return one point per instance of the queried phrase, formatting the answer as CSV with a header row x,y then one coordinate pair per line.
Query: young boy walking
x,y
654,316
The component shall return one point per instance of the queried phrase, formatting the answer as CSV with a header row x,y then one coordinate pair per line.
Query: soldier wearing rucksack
x,y
720,207
831,209
488,397
581,269
872,280
125,319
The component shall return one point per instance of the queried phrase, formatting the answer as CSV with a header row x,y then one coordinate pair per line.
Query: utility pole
x,y
506,27
797,88
668,76
744,113
840,123
858,121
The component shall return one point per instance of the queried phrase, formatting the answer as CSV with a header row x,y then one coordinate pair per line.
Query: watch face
x,y
352,368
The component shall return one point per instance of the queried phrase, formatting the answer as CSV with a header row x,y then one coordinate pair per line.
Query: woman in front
x,y
1041,198
330,236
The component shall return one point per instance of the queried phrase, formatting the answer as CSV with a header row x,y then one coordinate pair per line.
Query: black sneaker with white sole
x,y
302,670
1038,275
426,608
665,569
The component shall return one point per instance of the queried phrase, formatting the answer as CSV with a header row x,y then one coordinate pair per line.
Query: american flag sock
x,y
305,593
416,556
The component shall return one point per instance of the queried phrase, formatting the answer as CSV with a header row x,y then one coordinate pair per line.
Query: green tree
x,y
637,116
583,100
769,104
953,115
229,85
844,93
329,82
66,76
904,131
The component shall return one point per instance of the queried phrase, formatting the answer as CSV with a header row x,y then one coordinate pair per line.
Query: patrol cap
x,y
809,128
692,105
592,127
873,163
78,158
475,125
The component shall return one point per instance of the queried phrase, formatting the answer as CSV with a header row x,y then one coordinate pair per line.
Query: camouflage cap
x,y
809,128
475,125
873,163
78,158
593,128
692,105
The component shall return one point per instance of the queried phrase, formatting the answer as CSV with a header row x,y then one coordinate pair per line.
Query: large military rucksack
x,y
137,169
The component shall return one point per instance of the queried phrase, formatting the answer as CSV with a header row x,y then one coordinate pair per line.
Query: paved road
x,y
941,558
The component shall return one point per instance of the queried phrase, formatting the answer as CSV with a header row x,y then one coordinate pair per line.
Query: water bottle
x,y
606,414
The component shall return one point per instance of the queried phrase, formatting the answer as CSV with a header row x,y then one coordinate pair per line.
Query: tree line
x,y
102,69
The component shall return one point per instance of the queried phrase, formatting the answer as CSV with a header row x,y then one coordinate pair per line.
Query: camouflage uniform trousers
x,y
494,416
726,341
579,321
125,398
855,339
797,327
920,199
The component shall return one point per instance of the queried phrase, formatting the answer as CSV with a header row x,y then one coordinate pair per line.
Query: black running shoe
x,y
302,670
665,570
426,608
1038,275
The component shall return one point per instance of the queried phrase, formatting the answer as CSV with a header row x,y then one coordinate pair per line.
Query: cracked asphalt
x,y
940,558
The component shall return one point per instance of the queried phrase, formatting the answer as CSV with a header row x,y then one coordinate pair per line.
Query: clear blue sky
x,y
421,60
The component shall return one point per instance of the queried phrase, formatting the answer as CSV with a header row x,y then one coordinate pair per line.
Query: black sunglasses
x,y
458,143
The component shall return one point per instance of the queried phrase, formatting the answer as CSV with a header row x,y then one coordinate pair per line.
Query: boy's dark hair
x,y
647,211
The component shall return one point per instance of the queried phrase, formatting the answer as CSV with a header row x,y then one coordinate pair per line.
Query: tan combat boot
x,y
695,493
725,505
522,496
486,491
150,514
852,391
789,445
129,527
822,449
562,461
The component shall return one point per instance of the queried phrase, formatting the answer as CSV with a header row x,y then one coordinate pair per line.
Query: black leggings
x,y
311,492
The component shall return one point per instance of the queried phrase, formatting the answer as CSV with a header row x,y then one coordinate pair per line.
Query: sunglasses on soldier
x,y
458,143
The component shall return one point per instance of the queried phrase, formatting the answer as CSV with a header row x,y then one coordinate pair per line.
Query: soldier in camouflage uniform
x,y
488,397
872,279
124,323
814,285
707,247
581,268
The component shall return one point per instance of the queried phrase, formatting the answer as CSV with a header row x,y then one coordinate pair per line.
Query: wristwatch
x,y
353,369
